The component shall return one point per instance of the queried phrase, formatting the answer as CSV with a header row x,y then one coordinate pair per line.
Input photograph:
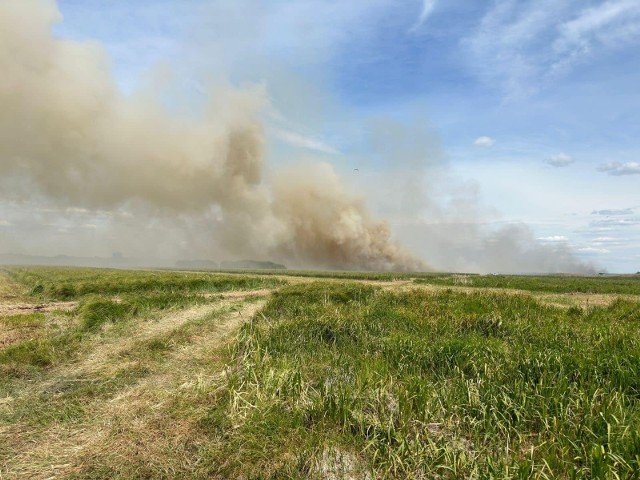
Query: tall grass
x,y
434,385
140,294
341,275
618,285
72,283
331,379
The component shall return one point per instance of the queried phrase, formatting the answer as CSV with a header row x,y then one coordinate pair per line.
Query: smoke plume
x,y
68,134
442,217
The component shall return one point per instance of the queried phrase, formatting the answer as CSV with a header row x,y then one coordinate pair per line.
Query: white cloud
x,y
592,250
616,222
554,238
614,211
4,223
560,160
484,142
607,23
618,168
427,10
521,46
609,242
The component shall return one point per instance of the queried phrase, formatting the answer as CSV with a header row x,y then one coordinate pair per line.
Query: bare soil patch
x,y
26,308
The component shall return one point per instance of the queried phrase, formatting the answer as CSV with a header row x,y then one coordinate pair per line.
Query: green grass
x,y
22,357
140,295
62,345
618,285
52,389
333,274
330,378
73,283
432,385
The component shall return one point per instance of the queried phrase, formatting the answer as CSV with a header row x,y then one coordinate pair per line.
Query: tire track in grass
x,y
113,347
62,449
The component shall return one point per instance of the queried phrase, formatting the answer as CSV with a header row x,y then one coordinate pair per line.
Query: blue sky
x,y
533,104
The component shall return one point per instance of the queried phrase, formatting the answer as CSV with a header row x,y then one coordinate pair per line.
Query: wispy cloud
x,y
554,238
303,141
619,168
484,142
560,160
523,45
425,13
616,222
610,242
610,211
593,250
608,23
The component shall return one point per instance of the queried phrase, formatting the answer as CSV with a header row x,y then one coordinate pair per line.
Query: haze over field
x,y
165,144
68,133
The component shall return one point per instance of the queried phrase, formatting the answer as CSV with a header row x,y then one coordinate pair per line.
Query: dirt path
x,y
26,308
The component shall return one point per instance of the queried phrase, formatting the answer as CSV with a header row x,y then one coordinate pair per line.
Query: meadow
x,y
161,374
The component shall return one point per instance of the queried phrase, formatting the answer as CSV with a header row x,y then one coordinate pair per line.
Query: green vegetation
x,y
339,275
158,374
73,283
431,385
617,284
140,295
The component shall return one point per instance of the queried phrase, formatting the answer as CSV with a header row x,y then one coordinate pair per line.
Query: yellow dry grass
x,y
131,428
567,300
10,292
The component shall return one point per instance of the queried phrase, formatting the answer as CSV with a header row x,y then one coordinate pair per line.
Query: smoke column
x,y
67,133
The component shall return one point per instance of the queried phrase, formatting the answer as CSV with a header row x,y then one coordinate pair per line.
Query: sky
x,y
532,106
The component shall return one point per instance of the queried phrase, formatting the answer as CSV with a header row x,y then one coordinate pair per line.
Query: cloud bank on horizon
x,y
344,85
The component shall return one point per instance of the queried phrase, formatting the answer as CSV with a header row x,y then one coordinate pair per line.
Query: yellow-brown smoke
x,y
68,133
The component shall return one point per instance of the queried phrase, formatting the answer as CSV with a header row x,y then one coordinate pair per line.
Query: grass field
x,y
159,374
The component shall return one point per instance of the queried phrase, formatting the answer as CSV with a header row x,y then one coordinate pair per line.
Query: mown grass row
x,y
617,285
140,294
68,399
49,347
38,401
52,283
609,284
340,275
431,385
